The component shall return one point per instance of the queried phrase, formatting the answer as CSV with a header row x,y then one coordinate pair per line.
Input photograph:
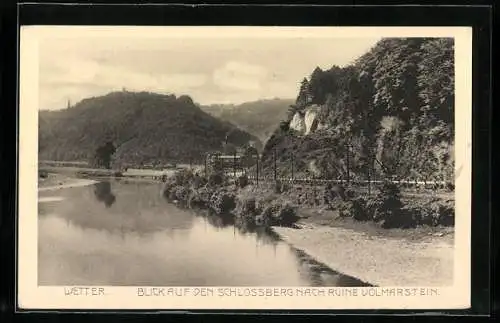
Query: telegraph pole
x,y
234,164
275,171
347,163
257,170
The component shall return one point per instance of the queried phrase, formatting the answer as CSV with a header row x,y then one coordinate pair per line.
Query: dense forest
x,y
389,114
258,118
144,127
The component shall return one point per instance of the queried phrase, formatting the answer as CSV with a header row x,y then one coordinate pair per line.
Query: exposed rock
x,y
305,122
310,119
313,168
298,124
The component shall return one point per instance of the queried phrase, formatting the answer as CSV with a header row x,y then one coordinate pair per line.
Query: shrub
x,y
446,213
183,177
334,196
362,209
198,181
287,215
242,181
180,193
167,189
215,179
279,213
246,206
198,198
388,207
432,212
222,202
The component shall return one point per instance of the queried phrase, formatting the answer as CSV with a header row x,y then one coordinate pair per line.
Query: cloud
x,y
75,78
209,69
240,76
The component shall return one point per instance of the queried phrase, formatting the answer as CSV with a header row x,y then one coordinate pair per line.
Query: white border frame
x,y
31,296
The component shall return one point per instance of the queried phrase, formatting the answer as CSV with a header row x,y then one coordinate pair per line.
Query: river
x,y
124,234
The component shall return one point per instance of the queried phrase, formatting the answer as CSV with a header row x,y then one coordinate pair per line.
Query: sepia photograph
x,y
304,165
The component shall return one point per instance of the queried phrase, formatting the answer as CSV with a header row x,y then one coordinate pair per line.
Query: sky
x,y
211,67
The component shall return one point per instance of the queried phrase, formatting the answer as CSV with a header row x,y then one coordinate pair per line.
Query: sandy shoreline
x,y
376,260
57,181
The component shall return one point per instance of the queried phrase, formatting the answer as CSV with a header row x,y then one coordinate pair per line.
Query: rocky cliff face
x,y
298,124
311,118
305,122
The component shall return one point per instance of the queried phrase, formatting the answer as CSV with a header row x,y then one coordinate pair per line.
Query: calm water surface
x,y
127,234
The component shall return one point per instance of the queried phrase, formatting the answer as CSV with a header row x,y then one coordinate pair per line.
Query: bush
x,y
222,202
432,212
183,177
287,215
447,213
246,206
334,196
167,189
388,207
216,179
199,198
279,213
180,193
242,181
198,181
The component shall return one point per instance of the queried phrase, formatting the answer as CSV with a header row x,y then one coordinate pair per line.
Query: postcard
x,y
169,168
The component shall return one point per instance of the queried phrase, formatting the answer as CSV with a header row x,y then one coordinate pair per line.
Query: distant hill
x,y
145,127
257,117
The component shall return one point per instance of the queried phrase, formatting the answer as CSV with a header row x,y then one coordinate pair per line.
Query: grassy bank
x,y
234,197
281,204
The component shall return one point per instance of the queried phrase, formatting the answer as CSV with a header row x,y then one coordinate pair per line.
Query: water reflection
x,y
102,192
138,238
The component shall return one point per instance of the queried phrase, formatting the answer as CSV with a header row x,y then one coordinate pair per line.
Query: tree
x,y
304,96
318,86
103,154
250,156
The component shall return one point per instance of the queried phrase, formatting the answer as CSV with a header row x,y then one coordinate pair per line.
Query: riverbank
x,y
384,257
390,260
385,239
59,181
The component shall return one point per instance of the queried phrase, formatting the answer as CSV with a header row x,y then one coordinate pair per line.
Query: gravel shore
x,y
58,181
376,260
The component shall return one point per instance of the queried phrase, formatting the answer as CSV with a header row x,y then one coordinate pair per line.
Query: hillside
x,y
258,118
145,128
390,113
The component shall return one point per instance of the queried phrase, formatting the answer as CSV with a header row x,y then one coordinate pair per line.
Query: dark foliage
x,y
145,127
388,114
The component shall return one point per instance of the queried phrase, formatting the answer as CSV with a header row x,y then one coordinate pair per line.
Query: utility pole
x,y
257,170
369,179
206,170
234,164
347,155
275,170
291,159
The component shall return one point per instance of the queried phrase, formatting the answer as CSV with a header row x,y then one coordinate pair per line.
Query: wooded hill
x,y
258,118
390,113
145,127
